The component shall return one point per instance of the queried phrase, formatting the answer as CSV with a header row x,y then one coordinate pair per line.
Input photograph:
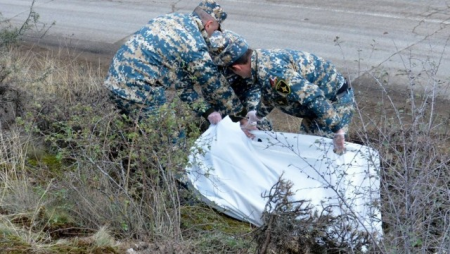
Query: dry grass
x,y
71,167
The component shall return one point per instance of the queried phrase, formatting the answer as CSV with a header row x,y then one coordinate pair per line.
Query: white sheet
x,y
231,172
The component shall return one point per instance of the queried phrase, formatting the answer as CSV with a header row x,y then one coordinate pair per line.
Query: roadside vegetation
x,y
76,176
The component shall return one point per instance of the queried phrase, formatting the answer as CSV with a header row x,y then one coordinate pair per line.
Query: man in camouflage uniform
x,y
171,51
246,91
249,96
298,83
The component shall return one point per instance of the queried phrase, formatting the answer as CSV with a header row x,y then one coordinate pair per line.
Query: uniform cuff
x,y
240,116
337,127
207,113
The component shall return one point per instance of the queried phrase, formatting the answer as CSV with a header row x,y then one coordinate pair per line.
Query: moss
x,y
215,232
47,164
205,218
81,249
49,161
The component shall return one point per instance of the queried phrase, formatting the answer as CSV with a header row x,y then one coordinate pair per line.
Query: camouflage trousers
x,y
344,106
139,110
146,112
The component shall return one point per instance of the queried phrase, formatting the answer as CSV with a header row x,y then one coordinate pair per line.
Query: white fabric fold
x,y
232,172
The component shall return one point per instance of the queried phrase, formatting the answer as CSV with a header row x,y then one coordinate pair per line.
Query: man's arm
x,y
187,93
215,88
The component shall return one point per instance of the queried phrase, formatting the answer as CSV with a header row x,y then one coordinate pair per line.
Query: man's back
x,y
171,51
159,52
299,68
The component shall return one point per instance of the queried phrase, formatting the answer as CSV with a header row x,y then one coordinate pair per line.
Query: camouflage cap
x,y
227,47
213,9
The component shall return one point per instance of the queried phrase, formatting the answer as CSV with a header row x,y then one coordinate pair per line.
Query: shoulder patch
x,y
282,87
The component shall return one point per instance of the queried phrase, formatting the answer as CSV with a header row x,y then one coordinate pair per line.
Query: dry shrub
x,y
114,167
11,105
412,135
106,169
11,98
294,226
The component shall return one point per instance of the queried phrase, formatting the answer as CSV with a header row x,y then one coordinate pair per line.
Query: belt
x,y
344,88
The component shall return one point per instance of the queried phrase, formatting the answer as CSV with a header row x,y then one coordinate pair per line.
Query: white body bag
x,y
232,173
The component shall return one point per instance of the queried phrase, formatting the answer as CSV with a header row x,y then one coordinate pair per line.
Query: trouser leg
x,y
140,109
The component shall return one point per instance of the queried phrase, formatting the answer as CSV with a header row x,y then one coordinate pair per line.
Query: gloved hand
x,y
339,142
246,128
214,117
252,118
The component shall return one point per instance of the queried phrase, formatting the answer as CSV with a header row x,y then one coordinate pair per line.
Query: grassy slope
x,y
53,188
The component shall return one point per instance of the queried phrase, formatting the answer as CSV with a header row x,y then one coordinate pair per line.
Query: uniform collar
x,y
200,26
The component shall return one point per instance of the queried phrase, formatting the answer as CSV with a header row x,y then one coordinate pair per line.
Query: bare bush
x,y
113,167
295,226
412,138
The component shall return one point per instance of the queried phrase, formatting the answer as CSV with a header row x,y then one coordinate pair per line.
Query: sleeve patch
x,y
281,86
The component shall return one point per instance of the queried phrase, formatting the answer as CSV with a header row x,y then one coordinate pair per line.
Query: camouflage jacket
x,y
298,83
169,51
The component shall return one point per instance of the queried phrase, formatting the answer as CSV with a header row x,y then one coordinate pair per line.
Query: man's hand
x,y
246,127
214,117
252,118
339,142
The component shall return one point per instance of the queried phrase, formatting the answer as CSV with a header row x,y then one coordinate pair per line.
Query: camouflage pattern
x,y
298,83
302,85
249,95
213,9
227,47
170,52
344,106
